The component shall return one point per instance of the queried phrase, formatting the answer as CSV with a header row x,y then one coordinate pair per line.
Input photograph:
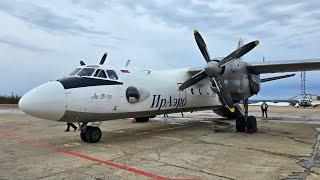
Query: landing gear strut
x,y
91,134
245,123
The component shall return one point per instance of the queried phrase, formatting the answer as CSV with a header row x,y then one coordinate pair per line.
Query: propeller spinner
x,y
213,69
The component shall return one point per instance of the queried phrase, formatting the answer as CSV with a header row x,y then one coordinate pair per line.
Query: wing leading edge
x,y
284,66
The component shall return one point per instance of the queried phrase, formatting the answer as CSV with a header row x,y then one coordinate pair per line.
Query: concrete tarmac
x,y
199,145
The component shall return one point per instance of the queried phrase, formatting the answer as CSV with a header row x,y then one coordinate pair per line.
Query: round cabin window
x,y
132,94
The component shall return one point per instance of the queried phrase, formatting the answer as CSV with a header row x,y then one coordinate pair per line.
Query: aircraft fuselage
x,y
88,99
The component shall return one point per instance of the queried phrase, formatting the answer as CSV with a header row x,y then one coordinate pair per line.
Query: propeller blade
x,y
238,53
103,58
202,45
82,63
223,92
193,80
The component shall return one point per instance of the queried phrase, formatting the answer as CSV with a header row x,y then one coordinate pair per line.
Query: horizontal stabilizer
x,y
276,77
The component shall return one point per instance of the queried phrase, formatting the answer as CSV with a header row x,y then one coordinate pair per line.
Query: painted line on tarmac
x,y
82,156
21,126
8,136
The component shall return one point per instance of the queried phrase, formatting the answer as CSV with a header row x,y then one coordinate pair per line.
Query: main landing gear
x,y
245,123
142,119
92,133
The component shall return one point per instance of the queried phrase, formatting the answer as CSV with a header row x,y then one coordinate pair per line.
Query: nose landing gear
x,y
92,133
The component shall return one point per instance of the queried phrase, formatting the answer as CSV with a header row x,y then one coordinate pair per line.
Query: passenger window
x,y
112,74
86,72
74,72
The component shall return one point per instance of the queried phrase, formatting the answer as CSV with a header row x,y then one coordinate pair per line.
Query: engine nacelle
x,y
241,85
254,81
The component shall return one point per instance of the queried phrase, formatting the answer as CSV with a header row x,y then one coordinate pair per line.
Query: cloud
x,y
45,18
279,21
153,34
16,43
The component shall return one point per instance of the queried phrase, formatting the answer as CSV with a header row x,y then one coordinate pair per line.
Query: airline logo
x,y
159,102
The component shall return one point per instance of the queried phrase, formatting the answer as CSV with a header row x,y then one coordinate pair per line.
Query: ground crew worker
x,y
264,109
68,127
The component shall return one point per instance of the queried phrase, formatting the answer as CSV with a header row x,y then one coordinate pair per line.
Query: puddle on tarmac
x,y
11,111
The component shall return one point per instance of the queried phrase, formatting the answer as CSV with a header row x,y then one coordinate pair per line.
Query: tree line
x,y
13,99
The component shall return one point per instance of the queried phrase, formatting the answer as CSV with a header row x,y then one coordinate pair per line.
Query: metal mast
x,y
303,83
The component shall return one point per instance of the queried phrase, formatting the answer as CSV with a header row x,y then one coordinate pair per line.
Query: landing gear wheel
x,y
142,119
241,124
83,136
251,124
93,134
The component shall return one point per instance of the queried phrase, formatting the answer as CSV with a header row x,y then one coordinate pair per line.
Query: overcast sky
x,y
44,40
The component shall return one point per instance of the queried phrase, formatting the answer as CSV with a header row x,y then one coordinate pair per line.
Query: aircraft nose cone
x,y
46,101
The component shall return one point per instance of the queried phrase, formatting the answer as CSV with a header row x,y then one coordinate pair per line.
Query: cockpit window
x,y
86,72
100,73
112,74
74,72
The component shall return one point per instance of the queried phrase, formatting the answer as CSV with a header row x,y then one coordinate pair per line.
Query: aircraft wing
x,y
284,66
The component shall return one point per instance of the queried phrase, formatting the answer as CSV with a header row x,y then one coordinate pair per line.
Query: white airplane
x,y
95,93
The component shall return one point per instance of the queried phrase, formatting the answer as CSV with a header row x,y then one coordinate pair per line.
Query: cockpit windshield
x,y
100,73
74,72
112,74
86,72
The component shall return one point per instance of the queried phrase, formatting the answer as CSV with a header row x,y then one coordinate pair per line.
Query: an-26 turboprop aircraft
x,y
95,93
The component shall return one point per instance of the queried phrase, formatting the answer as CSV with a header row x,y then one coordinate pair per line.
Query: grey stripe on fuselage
x,y
73,116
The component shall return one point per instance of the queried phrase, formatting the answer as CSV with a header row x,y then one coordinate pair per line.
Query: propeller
x,y
82,63
213,69
104,57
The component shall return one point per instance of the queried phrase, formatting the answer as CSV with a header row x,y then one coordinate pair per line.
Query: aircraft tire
x,y
252,123
240,124
93,134
142,119
83,136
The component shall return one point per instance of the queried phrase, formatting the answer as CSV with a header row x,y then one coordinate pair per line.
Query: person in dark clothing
x,y
264,109
68,127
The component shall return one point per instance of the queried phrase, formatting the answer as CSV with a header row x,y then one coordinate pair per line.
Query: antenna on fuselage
x,y
127,63
82,63
104,57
